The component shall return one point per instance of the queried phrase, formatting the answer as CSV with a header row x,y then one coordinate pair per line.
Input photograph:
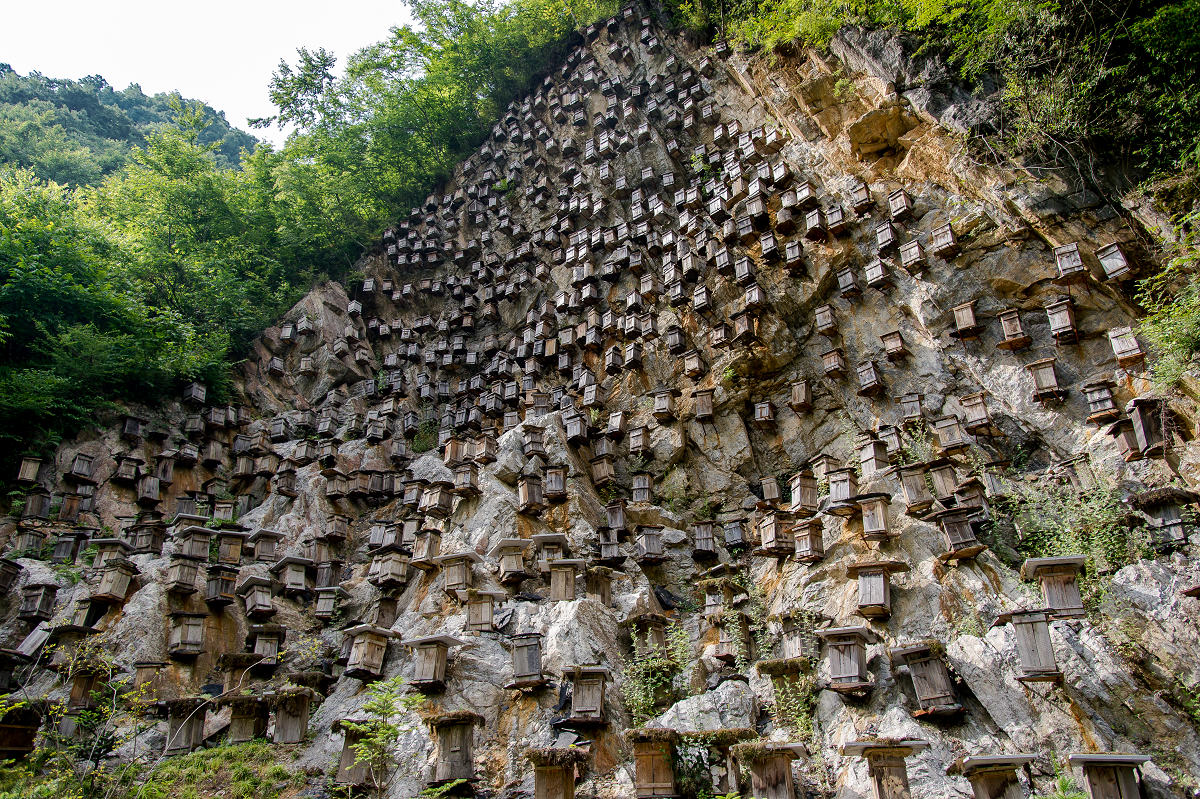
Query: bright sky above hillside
x,y
218,51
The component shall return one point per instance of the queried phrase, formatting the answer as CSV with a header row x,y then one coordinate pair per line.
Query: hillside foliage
x,y
252,770
75,132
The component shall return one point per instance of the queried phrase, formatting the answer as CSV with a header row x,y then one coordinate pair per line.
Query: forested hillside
x,y
135,255
75,132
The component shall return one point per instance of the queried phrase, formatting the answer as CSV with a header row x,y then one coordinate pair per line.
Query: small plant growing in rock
x,y
699,165
437,791
305,651
609,493
1189,699
1065,787
917,446
845,90
69,572
426,437
390,715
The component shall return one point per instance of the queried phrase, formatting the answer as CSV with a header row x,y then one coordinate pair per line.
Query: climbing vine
x,y
692,775
795,709
795,701
649,676
679,644
1056,520
755,631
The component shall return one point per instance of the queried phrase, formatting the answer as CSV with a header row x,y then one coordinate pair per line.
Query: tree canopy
x,y
75,132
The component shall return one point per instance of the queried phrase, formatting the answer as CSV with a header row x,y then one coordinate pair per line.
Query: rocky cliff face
x,y
726,378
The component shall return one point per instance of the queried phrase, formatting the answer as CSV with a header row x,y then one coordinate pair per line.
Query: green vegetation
x,y
795,704
916,446
1057,520
409,108
752,640
77,760
445,789
1172,297
426,437
693,766
649,675
1064,787
1080,82
707,510
124,290
1188,699
390,713
235,771
75,132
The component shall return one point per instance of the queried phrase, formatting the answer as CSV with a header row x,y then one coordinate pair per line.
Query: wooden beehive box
x,y
431,656
992,776
1035,651
770,767
1058,579
846,650
935,692
1110,775
654,759
587,694
455,753
886,764
368,650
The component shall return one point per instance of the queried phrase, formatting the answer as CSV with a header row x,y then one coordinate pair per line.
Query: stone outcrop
x,y
707,370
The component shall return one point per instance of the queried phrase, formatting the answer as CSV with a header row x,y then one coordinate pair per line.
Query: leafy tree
x,y
390,714
120,292
198,244
58,289
298,92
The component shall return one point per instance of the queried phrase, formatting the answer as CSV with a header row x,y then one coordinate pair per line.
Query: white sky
x,y
218,51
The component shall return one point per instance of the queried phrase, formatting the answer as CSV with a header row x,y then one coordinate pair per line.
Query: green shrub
x,y
426,437
1172,297
648,677
1056,520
